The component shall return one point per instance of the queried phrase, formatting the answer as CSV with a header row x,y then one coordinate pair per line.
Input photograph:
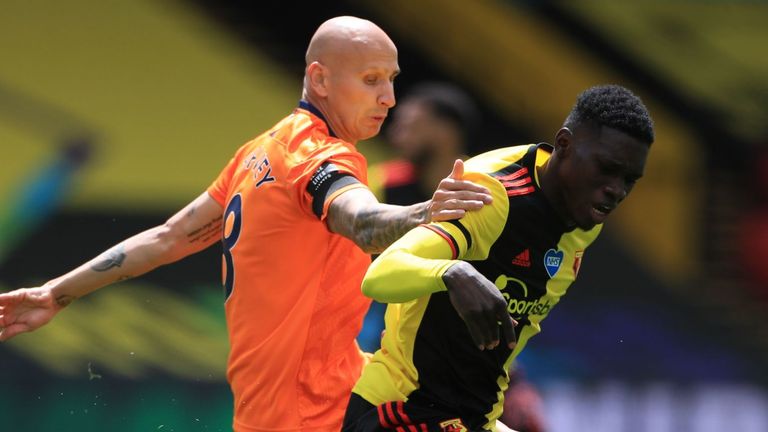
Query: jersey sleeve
x,y
413,266
325,167
219,189
472,236
409,268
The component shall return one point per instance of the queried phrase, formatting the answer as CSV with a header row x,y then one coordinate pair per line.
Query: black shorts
x,y
398,416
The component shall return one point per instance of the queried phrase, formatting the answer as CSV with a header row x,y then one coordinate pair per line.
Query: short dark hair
x,y
615,107
449,102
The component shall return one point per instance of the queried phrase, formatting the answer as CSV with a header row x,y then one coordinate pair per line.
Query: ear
x,y
563,140
317,76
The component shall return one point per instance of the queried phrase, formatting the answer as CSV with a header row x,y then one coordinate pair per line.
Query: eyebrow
x,y
618,164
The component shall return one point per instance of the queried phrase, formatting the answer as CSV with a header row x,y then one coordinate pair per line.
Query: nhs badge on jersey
x,y
552,261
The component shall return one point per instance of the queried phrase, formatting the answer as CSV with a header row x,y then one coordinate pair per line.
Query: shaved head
x,y
345,35
349,76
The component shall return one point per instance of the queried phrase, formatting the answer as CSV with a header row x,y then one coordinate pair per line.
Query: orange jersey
x,y
294,304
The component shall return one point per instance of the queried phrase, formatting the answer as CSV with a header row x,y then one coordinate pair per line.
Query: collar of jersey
x,y
305,105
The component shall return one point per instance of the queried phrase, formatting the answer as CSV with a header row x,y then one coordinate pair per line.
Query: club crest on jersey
x,y
453,425
552,261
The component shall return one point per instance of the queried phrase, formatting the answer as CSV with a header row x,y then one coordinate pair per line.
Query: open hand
x,y
455,196
25,310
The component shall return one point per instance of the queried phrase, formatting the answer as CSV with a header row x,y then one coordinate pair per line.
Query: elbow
x,y
370,285
168,242
369,248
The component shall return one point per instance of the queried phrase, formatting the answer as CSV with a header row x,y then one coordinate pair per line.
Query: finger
x,y
508,327
458,170
477,335
461,194
446,215
450,184
12,330
485,326
463,204
13,297
493,332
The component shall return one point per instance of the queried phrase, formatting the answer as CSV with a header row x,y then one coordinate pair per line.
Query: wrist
x,y
452,275
423,212
60,297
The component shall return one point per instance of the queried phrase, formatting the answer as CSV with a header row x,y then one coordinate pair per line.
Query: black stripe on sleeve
x,y
326,180
446,235
464,231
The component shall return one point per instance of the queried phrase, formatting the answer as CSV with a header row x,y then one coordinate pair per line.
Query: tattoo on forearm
x,y
64,300
110,259
374,230
206,232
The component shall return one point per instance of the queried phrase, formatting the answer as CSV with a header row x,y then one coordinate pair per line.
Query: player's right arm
x,y
194,228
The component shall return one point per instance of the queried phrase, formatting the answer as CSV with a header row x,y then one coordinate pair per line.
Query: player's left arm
x,y
428,259
359,216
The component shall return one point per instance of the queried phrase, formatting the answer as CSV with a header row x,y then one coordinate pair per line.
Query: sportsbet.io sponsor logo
x,y
515,292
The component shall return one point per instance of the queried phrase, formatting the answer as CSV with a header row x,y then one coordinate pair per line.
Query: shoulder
x,y
495,160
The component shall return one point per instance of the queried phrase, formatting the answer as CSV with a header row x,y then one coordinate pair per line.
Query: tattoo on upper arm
x,y
206,232
110,259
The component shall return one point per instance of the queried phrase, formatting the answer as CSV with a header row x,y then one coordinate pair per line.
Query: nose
x,y
387,96
616,190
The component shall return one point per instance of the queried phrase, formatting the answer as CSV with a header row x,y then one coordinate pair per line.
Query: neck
x,y
320,109
549,183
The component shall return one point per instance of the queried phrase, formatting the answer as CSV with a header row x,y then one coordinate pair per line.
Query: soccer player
x,y
296,219
431,127
436,371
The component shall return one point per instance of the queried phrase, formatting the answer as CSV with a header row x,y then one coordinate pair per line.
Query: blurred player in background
x,y
437,371
296,219
431,127
429,130
34,201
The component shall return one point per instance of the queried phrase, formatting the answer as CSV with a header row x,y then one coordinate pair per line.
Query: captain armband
x,y
324,181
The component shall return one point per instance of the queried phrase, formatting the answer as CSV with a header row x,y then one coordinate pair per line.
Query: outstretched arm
x,y
359,216
194,228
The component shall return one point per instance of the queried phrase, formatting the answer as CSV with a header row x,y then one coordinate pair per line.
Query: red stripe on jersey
x,y
405,418
520,191
522,182
424,427
382,418
519,173
391,415
444,235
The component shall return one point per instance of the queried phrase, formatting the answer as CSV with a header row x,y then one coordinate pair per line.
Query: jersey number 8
x,y
229,240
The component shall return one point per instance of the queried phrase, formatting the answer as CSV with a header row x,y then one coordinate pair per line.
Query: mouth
x,y
601,211
603,208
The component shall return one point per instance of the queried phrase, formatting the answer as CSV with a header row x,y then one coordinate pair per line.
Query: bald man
x,y
296,222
